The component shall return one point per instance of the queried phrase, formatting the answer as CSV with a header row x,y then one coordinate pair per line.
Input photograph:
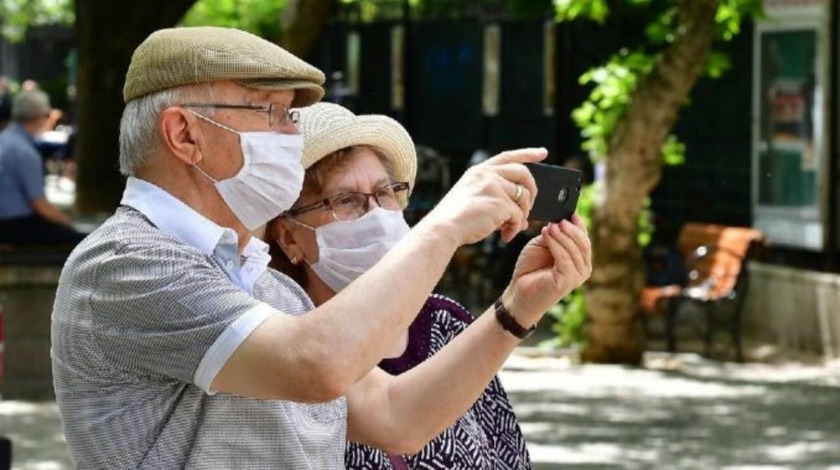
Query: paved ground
x,y
681,412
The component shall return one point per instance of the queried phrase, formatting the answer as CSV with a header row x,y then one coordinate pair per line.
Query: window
x,y
788,150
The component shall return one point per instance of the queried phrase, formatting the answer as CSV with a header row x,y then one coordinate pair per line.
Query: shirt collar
x,y
256,250
174,217
21,132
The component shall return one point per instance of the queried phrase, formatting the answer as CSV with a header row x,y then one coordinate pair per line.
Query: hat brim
x,y
306,93
376,131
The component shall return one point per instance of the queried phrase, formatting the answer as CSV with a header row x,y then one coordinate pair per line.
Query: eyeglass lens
x,y
351,206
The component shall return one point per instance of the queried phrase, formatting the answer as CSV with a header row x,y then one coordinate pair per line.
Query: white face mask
x,y
271,177
346,249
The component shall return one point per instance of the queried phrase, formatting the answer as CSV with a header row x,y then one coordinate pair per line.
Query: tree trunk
x,y
302,23
634,167
107,32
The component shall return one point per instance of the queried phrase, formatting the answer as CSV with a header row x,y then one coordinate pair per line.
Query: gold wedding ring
x,y
518,192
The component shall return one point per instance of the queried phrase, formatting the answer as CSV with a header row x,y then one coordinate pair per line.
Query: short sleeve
x,y
452,318
30,173
170,311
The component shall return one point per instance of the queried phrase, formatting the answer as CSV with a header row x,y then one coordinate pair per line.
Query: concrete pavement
x,y
681,412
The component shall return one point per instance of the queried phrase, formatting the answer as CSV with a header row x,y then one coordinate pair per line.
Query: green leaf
x,y
673,152
17,16
718,64
594,10
261,17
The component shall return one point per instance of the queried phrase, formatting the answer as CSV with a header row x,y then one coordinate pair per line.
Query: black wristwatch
x,y
509,323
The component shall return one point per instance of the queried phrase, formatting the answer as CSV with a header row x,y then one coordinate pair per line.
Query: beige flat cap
x,y
328,127
174,57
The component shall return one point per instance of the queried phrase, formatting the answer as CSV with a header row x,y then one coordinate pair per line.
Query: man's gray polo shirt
x,y
143,320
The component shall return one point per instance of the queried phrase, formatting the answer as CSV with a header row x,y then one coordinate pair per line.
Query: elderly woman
x,y
360,171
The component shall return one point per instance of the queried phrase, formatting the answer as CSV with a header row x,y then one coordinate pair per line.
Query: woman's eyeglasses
x,y
352,205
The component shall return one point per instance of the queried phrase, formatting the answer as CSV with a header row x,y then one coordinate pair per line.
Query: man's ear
x,y
180,134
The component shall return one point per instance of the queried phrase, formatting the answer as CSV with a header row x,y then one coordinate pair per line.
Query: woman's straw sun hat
x,y
328,127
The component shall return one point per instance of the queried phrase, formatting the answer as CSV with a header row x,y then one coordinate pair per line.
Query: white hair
x,y
30,105
139,129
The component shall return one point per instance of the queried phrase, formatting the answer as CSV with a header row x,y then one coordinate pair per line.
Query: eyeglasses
x,y
279,116
352,205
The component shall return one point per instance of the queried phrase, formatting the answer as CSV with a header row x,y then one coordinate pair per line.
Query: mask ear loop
x,y
206,175
217,124
297,222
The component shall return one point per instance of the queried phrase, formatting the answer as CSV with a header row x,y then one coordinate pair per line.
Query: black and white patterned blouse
x,y
487,436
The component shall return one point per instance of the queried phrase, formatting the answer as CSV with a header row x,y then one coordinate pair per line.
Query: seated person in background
x,y
26,217
50,142
359,172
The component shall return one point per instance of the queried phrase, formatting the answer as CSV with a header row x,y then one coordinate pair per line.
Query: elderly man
x,y
175,347
26,217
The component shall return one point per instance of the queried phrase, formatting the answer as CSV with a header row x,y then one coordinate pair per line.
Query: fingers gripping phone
x,y
558,190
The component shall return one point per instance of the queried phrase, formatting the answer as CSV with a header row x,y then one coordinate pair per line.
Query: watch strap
x,y
509,323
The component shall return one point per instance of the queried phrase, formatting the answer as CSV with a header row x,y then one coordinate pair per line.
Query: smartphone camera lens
x,y
563,195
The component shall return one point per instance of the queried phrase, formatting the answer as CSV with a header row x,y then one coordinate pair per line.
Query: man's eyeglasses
x,y
352,205
279,116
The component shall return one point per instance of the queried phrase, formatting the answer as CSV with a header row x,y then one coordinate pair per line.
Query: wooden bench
x,y
714,257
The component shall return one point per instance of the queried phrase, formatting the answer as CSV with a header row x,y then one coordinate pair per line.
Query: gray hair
x,y
29,105
139,131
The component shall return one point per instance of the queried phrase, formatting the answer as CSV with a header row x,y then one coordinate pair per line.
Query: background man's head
x,y
29,85
31,109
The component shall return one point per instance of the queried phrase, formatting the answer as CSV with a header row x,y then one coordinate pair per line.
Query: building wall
x,y
794,309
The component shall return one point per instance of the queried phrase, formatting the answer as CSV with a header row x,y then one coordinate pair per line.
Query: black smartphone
x,y
558,190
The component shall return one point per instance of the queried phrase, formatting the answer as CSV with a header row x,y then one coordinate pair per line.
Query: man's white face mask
x,y
346,249
271,177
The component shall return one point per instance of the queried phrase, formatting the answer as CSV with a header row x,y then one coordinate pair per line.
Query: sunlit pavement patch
x,y
680,412
35,431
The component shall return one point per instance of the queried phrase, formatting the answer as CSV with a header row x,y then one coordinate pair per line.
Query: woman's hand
x,y
551,266
494,195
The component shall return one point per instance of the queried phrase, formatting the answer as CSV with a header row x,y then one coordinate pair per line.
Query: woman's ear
x,y
179,133
285,234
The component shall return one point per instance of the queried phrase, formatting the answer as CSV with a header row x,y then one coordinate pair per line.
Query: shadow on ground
x,y
682,412
588,417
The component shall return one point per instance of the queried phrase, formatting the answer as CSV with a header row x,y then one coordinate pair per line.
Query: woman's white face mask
x,y
346,249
